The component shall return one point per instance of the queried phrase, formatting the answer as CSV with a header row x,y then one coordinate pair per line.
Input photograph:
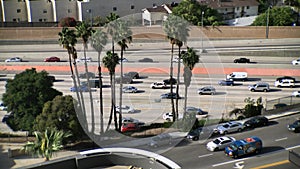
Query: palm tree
x,y
177,32
98,41
67,39
189,59
46,143
84,31
123,36
110,61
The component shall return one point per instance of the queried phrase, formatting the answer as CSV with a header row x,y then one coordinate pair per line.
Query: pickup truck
x,y
243,147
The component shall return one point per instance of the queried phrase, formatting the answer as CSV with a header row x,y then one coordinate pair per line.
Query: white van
x,y
237,76
284,83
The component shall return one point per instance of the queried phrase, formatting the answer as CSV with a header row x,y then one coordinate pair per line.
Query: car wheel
x,y
212,93
225,132
252,90
265,90
196,138
153,87
239,130
235,156
200,93
216,149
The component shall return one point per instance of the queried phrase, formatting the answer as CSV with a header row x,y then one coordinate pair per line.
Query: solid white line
x,y
280,139
205,155
290,148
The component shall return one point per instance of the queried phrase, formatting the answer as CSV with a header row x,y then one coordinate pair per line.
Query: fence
x,y
281,104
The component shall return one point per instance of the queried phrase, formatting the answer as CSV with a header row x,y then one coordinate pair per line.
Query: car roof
x,y
223,138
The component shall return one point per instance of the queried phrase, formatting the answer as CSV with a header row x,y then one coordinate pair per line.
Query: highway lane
x,y
149,110
276,140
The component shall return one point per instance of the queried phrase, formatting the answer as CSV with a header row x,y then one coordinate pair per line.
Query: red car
x,y
129,127
52,59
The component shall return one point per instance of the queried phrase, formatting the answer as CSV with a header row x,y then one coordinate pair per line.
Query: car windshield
x,y
233,146
216,141
226,126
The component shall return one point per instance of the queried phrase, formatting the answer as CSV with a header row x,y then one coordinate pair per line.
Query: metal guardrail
x,y
294,158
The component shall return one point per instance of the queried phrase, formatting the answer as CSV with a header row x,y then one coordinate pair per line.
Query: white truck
x,y
237,76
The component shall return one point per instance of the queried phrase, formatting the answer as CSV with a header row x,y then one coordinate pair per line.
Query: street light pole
x,y
202,50
267,24
91,16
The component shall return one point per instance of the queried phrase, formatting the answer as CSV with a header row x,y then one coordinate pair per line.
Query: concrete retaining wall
x,y
222,32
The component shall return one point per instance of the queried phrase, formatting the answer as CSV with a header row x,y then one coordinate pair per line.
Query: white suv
x,y
261,86
285,83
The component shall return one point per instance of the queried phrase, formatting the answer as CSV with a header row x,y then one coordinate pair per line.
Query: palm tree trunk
x,y
100,93
121,93
112,101
171,77
90,92
178,80
185,100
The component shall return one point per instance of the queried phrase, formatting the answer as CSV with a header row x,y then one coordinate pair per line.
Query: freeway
x,y
277,141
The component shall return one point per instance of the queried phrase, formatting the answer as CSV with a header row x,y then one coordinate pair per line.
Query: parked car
x,y
132,120
201,132
158,85
52,59
168,116
261,86
2,106
230,127
125,80
241,60
146,60
176,59
125,109
126,127
296,94
129,89
226,82
286,77
168,81
161,140
87,59
14,59
198,111
123,60
132,75
256,122
169,96
295,127
84,75
296,61
219,143
81,88
207,90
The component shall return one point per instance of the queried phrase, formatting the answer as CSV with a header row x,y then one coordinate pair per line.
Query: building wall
x,y
66,9
41,11
15,11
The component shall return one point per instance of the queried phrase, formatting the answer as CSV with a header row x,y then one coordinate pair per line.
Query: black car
x,y
242,60
169,96
168,81
285,77
256,122
146,60
132,75
295,127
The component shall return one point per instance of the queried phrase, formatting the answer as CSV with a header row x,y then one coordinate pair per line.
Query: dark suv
x,y
241,60
256,122
295,127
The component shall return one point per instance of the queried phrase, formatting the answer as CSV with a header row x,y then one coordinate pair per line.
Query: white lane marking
x,y
280,139
205,155
228,162
290,148
239,165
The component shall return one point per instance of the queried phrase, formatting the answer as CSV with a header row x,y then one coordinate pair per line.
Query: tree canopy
x,y
59,114
278,16
25,96
191,11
